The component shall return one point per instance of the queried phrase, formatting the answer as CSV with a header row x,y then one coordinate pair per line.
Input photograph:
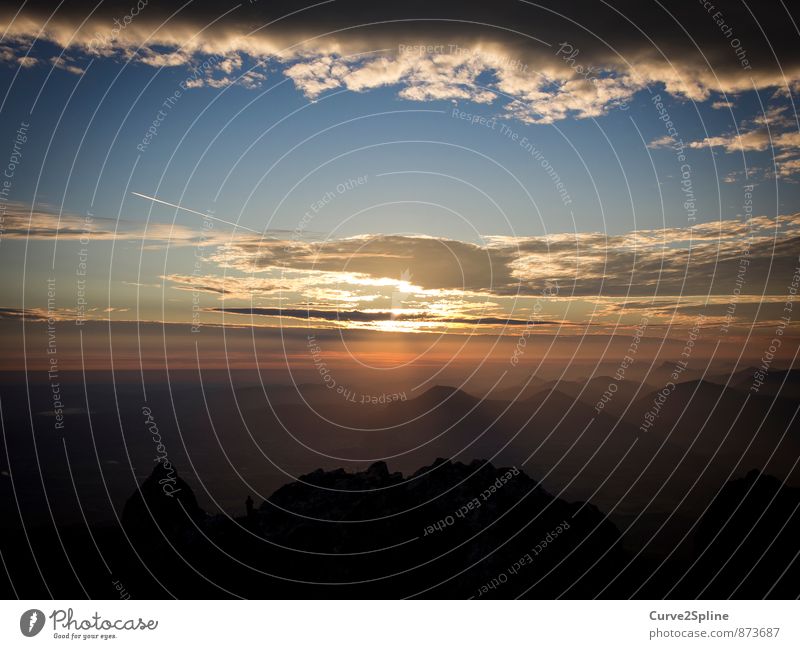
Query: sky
x,y
418,169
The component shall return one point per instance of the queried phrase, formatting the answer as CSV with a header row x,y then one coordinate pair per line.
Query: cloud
x,y
373,316
758,140
536,63
450,277
789,169
424,281
374,261
226,287
774,131
702,260
67,64
663,142
21,222
38,314
16,56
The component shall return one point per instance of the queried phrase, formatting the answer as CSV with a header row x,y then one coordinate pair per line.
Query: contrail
x,y
205,216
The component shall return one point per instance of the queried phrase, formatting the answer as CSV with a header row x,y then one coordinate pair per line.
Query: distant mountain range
x,y
556,431
660,497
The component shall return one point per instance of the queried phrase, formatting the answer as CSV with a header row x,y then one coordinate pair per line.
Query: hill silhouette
x,y
363,527
449,530
746,543
379,534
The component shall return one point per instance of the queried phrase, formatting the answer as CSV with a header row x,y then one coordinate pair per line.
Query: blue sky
x,y
610,175
393,149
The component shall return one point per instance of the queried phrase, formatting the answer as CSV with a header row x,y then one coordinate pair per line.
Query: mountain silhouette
x,y
320,530
377,533
163,504
746,543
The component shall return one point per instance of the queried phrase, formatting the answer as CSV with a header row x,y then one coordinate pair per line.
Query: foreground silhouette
x,y
449,530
